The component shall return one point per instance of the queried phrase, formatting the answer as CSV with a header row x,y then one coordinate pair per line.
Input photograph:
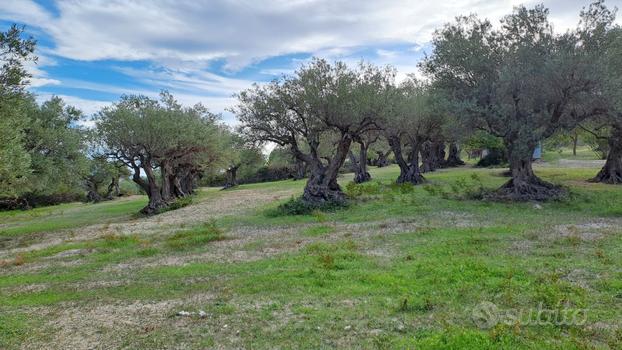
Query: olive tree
x,y
151,136
605,40
412,119
321,105
14,159
242,158
57,148
521,83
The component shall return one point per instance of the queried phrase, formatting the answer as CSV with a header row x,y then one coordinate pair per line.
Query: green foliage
x,y
180,203
14,159
471,188
481,140
298,206
57,148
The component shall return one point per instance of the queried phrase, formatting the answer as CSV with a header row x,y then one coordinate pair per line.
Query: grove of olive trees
x,y
516,84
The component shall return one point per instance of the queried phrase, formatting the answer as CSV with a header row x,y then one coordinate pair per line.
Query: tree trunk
x,y
166,173
322,184
156,202
409,170
525,185
187,182
300,170
575,141
453,159
428,157
383,159
439,154
611,173
360,165
93,193
232,177
113,188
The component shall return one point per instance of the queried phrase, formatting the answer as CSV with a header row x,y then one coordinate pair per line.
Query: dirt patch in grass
x,y
108,326
586,232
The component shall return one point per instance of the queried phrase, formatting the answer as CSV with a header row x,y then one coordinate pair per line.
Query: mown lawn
x,y
401,267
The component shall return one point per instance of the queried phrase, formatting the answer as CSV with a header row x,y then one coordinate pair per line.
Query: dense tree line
x,y
505,88
520,83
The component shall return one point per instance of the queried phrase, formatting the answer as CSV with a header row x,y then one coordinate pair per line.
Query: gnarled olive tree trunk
x,y
166,175
611,173
322,186
438,149
453,158
232,176
383,158
300,170
409,168
151,187
524,184
430,156
92,194
360,165
113,188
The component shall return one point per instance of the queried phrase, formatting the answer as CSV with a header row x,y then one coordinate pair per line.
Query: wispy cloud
x,y
208,50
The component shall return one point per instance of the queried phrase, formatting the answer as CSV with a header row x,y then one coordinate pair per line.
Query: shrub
x,y
297,206
354,190
461,189
180,203
496,157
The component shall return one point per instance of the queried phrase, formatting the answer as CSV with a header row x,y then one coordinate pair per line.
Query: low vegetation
x,y
385,272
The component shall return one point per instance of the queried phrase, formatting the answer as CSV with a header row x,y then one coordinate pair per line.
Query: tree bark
x,y
453,159
409,170
575,141
156,202
300,170
166,174
232,176
428,156
383,159
524,184
93,193
611,173
113,188
322,186
360,165
439,154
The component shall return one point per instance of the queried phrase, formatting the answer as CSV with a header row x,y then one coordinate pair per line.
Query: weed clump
x,y
471,188
298,206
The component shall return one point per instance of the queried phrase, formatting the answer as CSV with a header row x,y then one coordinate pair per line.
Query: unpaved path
x,y
216,205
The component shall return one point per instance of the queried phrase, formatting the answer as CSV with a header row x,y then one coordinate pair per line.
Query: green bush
x,y
354,190
180,203
297,206
462,189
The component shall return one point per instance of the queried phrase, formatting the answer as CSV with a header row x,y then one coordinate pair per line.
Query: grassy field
x,y
401,267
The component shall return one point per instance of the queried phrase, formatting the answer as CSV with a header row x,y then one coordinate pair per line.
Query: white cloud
x,y
182,38
88,107
244,31
40,77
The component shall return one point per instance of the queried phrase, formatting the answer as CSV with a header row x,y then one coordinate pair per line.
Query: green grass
x,y
195,237
401,267
68,216
583,153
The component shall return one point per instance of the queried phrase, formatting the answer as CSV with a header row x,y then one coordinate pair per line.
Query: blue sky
x,y
92,51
